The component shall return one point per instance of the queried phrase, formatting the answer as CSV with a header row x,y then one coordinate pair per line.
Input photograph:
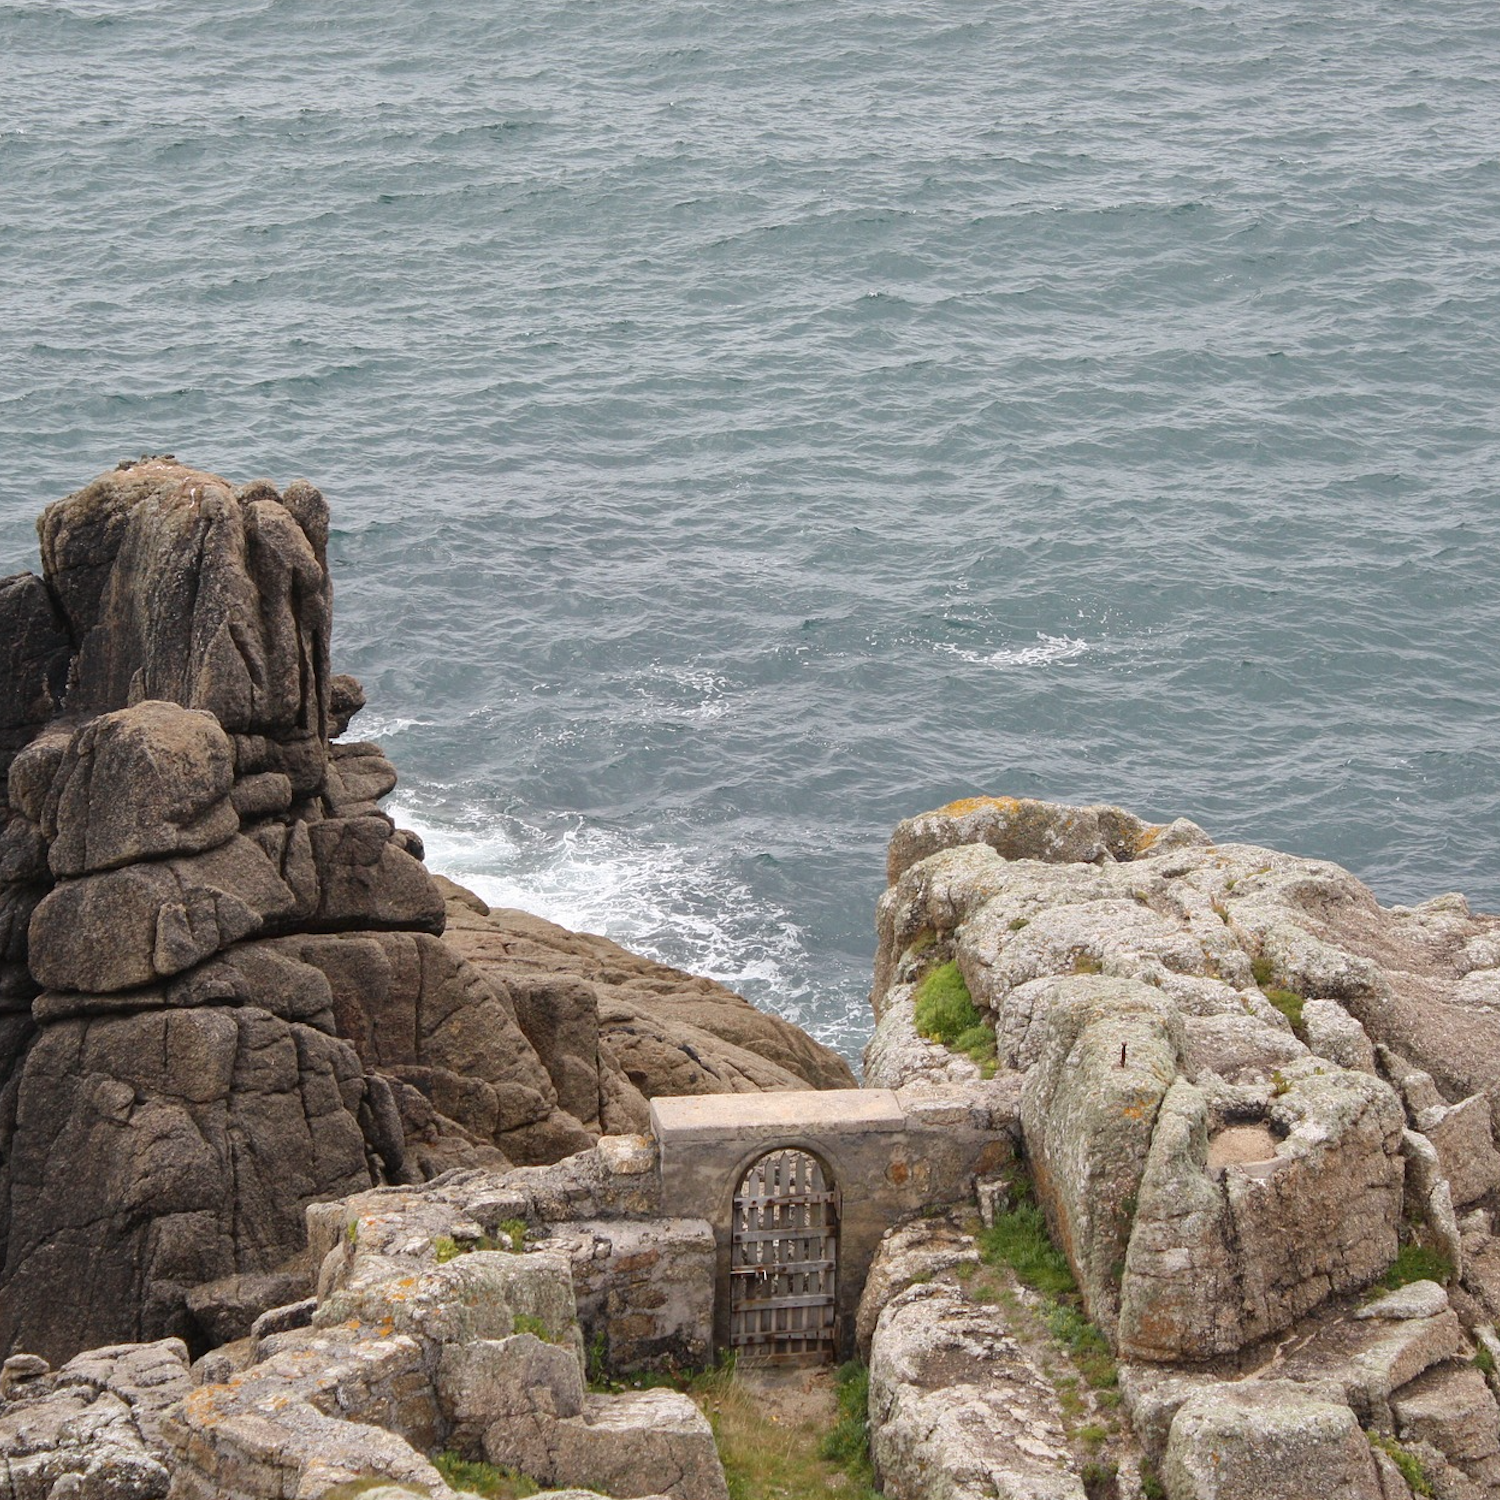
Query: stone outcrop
x,y
223,991
1244,1087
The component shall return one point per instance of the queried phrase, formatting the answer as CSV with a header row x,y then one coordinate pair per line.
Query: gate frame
x,y
892,1155
724,1309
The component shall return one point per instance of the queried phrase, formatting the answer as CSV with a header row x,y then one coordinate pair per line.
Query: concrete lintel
x,y
683,1119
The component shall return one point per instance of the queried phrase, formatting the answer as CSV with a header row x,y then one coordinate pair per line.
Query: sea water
x,y
747,425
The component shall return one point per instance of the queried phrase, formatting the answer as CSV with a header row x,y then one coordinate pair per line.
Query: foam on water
x,y
672,904
1048,650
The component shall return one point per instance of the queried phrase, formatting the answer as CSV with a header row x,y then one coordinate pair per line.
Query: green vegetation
x,y
1408,1463
1263,971
525,1323
944,1009
848,1445
769,1457
1151,1487
512,1238
1417,1262
480,1478
1099,1478
1290,1004
1484,1361
945,1012
1087,963
1018,1239
596,1363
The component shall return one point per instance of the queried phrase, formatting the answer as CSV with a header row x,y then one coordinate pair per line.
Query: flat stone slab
x,y
685,1119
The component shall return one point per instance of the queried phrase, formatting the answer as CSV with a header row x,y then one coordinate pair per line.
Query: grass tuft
x,y
1408,1463
944,1011
1290,1004
1018,1238
1416,1262
848,1445
480,1478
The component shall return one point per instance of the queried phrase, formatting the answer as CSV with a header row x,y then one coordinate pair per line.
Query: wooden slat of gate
x,y
783,1266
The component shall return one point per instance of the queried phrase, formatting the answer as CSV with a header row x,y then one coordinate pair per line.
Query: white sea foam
x,y
368,725
674,904
1048,650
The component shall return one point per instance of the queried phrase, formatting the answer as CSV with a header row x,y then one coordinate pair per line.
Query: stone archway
x,y
783,1277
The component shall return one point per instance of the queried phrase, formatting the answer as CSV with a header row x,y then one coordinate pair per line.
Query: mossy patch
x,y
1407,1462
1290,1004
511,1238
1417,1262
1019,1239
944,1011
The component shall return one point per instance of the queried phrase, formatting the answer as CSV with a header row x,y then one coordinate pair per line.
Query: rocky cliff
x,y
1247,1094
225,993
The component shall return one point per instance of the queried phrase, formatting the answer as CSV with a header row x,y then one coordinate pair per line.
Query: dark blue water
x,y
749,425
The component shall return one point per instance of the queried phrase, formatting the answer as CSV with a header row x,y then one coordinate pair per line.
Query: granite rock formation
x,y
1244,1088
223,990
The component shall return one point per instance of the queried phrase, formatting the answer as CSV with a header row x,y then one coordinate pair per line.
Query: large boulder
x,y
1300,1042
1267,1440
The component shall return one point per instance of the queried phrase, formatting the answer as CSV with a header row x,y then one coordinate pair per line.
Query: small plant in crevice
x,y
526,1323
512,1239
1483,1360
1290,1004
1100,1479
1406,1461
1417,1262
1151,1486
479,1478
944,1011
1018,1238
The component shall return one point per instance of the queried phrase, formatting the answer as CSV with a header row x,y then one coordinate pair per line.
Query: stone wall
x,y
889,1155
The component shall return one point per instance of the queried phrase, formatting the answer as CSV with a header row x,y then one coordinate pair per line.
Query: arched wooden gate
x,y
784,1261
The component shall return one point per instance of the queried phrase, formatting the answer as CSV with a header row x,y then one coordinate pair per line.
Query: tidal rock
x,y
665,1031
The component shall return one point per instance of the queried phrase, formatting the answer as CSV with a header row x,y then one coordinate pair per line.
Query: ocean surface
x,y
748,425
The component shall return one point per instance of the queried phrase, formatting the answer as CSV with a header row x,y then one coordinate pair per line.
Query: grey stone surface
x,y
958,1408
1265,1441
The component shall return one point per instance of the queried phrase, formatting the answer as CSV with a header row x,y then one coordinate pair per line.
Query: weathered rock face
x,y
223,995
619,1029
1243,1085
1213,1170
